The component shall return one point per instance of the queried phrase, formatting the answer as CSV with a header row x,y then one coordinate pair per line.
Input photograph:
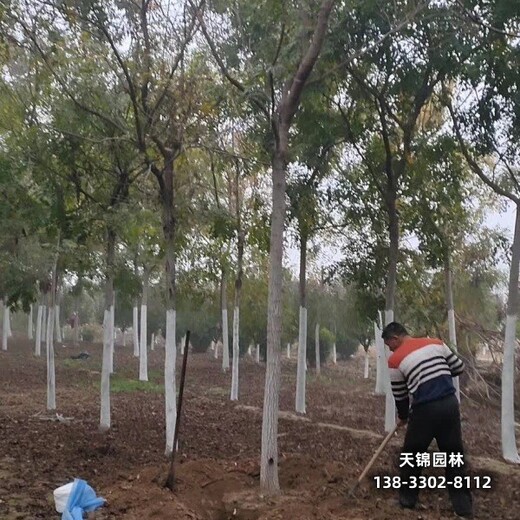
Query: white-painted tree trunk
x,y
288,351
44,324
334,354
169,379
236,354
509,447
59,337
76,334
30,327
225,341
216,349
152,342
51,372
5,326
317,348
390,419
7,311
181,346
390,411
249,350
135,330
302,362
380,361
258,353
367,364
112,342
104,420
508,433
38,342
143,350
123,332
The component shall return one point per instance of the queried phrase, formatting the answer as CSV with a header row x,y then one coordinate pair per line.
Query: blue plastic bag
x,y
82,499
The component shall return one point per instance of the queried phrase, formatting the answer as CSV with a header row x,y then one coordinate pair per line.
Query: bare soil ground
x,y
321,453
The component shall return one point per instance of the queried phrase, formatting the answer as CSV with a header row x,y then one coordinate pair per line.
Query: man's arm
x,y
455,364
400,391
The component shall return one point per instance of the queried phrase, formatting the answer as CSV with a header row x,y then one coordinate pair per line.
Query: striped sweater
x,y
422,368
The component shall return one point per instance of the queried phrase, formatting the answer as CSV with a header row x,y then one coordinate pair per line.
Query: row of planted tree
x,y
204,137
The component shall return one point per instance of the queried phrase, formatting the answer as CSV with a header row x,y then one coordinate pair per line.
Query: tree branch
x,y
290,102
221,64
473,163
60,80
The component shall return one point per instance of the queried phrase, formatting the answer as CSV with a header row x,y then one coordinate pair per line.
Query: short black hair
x,y
394,329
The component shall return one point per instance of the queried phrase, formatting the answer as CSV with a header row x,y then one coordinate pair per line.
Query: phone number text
x,y
432,482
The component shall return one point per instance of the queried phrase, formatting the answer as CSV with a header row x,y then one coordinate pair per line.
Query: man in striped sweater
x,y
421,373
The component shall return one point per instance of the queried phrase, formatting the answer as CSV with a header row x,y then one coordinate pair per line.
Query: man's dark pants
x,y
440,420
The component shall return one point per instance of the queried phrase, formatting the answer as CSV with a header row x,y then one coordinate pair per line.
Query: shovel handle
x,y
386,440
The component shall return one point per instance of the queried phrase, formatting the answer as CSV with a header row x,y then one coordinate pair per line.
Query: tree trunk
x,y
269,455
367,359
7,311
104,416
236,352
30,327
448,279
76,323
105,419
317,348
51,370
59,337
38,340
5,326
509,447
143,346
135,328
393,252
169,379
169,228
302,330
225,331
44,319
390,419
380,361
238,293
112,332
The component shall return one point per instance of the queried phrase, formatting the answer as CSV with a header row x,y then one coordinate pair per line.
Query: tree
x,y
278,107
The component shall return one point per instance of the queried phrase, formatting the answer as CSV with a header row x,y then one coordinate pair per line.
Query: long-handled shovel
x,y
373,459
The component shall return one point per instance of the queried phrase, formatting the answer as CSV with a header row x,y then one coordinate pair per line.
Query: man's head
x,y
393,335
